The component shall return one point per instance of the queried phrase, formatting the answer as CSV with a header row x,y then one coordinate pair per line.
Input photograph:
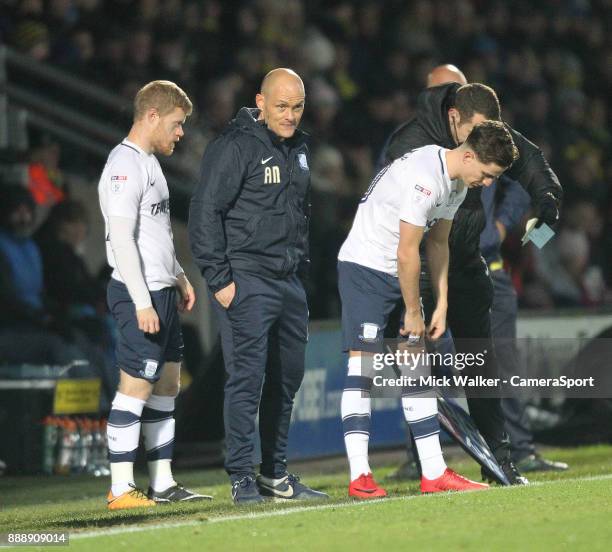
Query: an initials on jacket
x,y
272,175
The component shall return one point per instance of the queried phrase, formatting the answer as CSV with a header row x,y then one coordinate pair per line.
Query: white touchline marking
x,y
300,509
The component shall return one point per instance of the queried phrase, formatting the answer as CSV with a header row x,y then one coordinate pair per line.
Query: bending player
x,y
379,264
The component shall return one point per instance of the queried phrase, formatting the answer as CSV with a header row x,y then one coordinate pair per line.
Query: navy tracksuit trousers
x,y
263,335
503,327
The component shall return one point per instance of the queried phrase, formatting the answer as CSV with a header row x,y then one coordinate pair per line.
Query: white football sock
x,y
158,426
356,412
421,413
123,433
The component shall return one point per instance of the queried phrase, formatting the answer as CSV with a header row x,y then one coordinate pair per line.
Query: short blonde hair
x,y
162,95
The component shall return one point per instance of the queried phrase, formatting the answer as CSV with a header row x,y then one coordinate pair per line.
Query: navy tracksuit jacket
x,y
248,224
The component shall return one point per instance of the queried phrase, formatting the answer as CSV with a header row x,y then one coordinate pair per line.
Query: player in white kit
x,y
379,263
142,297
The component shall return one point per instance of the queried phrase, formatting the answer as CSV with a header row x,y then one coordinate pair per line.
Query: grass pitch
x,y
571,510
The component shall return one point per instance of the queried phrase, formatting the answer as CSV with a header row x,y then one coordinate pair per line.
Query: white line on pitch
x,y
299,509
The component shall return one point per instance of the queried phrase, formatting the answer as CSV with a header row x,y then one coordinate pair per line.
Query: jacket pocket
x,y
269,234
240,231
235,300
273,229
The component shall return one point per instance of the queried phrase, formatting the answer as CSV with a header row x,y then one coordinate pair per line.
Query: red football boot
x,y
364,487
450,481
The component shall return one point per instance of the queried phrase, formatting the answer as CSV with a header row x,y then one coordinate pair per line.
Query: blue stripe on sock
x,y
129,456
416,390
122,418
356,423
425,427
150,415
357,383
163,452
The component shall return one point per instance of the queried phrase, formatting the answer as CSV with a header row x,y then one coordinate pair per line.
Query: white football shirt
x,y
415,188
133,186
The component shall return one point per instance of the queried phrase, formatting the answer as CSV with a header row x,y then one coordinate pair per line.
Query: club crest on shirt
x,y
150,368
369,332
302,161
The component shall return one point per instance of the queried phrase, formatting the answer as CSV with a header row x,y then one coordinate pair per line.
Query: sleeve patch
x,y
117,183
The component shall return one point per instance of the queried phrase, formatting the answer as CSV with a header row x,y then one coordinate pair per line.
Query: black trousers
x,y
503,329
263,335
470,296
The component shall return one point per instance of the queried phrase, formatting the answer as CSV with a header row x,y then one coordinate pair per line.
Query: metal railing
x,y
50,97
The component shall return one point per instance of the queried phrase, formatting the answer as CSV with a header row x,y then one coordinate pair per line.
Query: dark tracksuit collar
x,y
432,113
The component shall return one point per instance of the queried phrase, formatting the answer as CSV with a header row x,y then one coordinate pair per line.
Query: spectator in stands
x,y
28,331
32,38
572,270
45,179
74,294
333,206
20,253
372,57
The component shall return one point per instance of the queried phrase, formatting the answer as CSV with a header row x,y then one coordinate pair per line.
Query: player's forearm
x,y
178,269
437,259
127,260
408,272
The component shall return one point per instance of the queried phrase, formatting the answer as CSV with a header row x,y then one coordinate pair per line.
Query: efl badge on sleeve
x,y
117,182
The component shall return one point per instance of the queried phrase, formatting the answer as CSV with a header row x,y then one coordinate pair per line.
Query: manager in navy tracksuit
x,y
248,228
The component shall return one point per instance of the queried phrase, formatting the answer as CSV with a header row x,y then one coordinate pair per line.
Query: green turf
x,y
574,514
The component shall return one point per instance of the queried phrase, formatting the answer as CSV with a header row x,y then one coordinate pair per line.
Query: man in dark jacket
x,y
445,116
248,227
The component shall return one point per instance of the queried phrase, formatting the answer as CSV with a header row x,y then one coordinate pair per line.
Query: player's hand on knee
x,y
148,321
414,327
226,295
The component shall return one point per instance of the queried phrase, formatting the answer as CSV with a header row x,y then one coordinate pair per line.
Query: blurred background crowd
x,y
363,63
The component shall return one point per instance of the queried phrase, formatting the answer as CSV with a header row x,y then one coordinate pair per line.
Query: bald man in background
x,y
248,228
443,74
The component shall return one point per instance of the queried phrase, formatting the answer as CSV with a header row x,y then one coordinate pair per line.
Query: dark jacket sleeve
x,y
513,204
221,178
533,172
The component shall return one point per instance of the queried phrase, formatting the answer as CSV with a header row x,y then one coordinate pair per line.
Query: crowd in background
x,y
364,63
